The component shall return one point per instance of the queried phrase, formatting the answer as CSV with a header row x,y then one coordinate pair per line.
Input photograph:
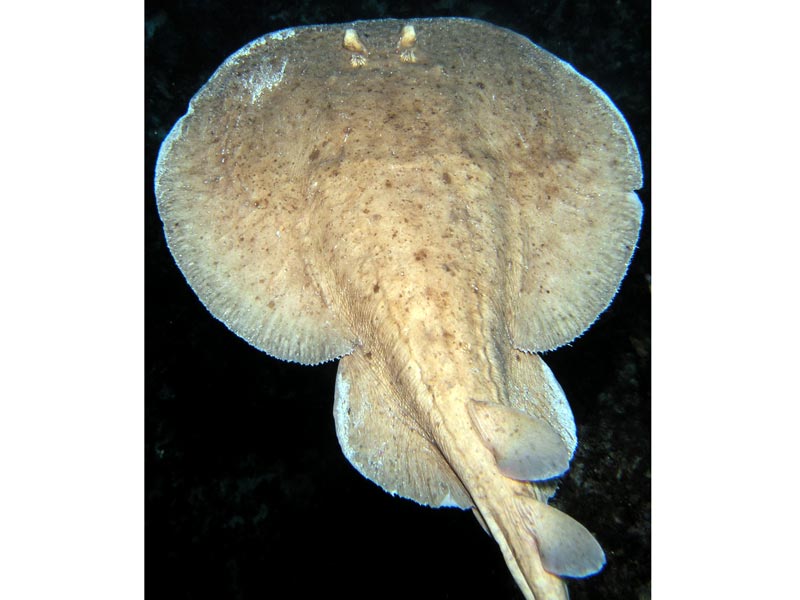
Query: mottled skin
x,y
428,308
428,216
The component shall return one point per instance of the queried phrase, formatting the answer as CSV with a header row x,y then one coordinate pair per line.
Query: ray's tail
x,y
532,440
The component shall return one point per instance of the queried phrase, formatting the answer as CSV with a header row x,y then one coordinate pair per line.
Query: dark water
x,y
247,492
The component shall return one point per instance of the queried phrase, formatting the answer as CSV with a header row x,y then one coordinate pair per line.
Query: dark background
x,y
247,492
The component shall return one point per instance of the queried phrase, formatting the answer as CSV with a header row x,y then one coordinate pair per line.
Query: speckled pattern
x,y
247,492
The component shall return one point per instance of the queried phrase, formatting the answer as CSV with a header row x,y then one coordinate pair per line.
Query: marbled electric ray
x,y
433,202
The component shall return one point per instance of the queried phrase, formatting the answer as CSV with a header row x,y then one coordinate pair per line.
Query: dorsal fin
x,y
525,448
566,547
541,544
384,444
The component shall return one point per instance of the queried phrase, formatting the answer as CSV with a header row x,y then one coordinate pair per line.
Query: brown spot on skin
x,y
550,190
446,177
420,255
314,154
376,288
271,304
